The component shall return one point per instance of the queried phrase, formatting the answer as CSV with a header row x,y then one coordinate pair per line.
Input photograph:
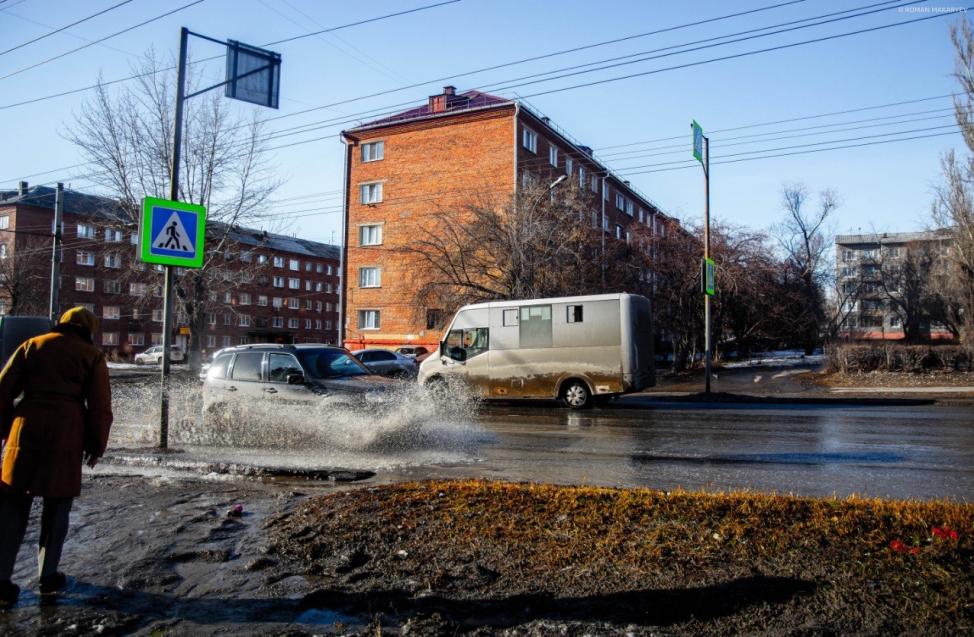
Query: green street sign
x,y
709,282
171,233
697,141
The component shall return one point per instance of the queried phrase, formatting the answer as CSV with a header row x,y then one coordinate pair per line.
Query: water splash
x,y
411,428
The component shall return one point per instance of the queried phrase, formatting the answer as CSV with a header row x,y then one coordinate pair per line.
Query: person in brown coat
x,y
63,419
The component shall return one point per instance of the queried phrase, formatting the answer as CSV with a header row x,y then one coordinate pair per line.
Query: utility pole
x,y
701,152
54,312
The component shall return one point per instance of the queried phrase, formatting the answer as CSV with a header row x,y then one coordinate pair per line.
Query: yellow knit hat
x,y
81,316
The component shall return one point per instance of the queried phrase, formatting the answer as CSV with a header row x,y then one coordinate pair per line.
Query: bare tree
x,y
953,207
127,138
538,243
806,236
908,278
25,275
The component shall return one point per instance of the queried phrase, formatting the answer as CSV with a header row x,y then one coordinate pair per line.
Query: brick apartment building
x,y
266,288
433,157
869,270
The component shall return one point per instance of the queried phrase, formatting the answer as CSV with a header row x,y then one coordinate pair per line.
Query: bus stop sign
x,y
171,233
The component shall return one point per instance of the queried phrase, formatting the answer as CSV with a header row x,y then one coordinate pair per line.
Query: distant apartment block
x,y
873,271
268,287
434,157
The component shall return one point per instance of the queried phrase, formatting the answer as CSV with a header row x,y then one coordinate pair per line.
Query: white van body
x,y
570,348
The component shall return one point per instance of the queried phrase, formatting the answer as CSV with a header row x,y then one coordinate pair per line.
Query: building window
x,y
211,341
4,222
370,235
3,250
574,313
243,320
294,284
227,319
307,324
568,165
318,306
278,262
277,302
553,156
292,323
327,325
319,286
109,338
278,281
294,304
329,270
528,180
261,259
530,140
211,318
620,201
372,151
370,193
581,176
246,256
618,231
113,260
895,321
244,340
628,207
595,184
111,312
83,257
262,300
86,232
309,304
368,319
225,341
136,338
318,324
277,321
113,236
244,299
228,298
369,277
84,284
112,287
157,316
321,268
294,265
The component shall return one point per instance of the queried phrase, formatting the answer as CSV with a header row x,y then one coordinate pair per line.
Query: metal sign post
x,y
701,152
172,232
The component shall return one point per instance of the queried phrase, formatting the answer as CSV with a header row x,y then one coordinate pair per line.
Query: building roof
x,y
471,100
105,209
891,237
76,203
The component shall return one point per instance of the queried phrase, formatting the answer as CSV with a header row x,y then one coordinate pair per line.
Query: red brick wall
x,y
427,166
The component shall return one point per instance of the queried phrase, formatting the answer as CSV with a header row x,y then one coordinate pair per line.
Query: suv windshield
x,y
330,363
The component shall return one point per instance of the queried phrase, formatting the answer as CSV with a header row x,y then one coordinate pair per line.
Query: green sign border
x,y
697,130
709,277
145,229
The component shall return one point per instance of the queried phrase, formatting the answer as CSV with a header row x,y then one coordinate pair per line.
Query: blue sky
x,y
738,101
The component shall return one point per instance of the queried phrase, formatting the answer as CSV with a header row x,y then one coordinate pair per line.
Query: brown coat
x,y
58,372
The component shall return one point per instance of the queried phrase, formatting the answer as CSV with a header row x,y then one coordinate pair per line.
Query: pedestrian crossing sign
x,y
171,233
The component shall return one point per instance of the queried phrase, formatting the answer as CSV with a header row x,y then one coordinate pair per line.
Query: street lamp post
x,y
701,151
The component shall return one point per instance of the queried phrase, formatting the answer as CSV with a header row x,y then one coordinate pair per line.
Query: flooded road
x,y
922,452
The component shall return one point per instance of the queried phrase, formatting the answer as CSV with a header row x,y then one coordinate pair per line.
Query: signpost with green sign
x,y
171,233
701,152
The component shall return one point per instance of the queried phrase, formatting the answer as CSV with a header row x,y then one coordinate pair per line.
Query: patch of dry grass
x,y
907,563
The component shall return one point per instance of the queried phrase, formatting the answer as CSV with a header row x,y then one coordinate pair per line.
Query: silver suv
x,y
243,379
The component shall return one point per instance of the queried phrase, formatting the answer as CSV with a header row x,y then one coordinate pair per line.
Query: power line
x,y
107,37
39,38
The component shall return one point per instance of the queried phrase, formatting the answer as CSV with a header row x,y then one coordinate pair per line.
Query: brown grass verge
x,y
864,565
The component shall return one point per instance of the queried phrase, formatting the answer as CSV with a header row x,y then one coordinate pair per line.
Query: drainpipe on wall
x,y
517,111
343,248
602,230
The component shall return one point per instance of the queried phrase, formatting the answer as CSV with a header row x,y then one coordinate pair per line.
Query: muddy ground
x,y
159,555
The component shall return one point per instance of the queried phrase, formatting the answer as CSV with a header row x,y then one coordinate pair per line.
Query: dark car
x,y
250,376
386,363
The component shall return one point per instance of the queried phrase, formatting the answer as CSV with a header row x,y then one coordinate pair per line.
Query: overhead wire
x,y
56,31
107,37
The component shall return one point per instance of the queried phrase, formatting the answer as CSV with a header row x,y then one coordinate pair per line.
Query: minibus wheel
x,y
576,395
438,390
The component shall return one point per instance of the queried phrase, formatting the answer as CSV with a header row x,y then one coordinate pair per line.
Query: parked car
x,y
153,356
309,374
412,351
387,363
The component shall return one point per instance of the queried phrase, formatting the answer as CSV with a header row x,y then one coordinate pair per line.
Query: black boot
x,y
9,592
51,584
